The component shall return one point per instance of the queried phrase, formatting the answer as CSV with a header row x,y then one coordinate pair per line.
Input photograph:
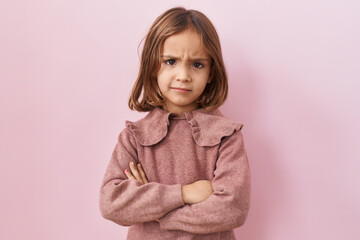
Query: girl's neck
x,y
180,110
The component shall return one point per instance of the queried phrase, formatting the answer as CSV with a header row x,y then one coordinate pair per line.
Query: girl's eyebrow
x,y
191,59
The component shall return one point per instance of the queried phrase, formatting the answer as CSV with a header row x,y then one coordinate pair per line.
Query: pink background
x,y
66,71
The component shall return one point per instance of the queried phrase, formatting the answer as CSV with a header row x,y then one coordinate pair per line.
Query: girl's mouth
x,y
182,89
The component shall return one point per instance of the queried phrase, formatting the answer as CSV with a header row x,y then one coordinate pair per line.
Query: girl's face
x,y
184,71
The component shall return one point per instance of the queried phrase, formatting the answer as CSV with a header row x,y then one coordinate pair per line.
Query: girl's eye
x,y
170,62
198,65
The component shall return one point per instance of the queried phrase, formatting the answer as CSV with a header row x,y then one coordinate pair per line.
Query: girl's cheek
x,y
162,69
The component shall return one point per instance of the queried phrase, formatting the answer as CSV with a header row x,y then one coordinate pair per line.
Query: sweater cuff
x,y
165,221
174,197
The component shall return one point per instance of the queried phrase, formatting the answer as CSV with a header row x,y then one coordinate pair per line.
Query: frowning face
x,y
184,71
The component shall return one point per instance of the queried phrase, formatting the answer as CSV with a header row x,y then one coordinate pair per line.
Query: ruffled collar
x,y
207,127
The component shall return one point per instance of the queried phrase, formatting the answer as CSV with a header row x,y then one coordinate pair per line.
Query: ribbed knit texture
x,y
174,151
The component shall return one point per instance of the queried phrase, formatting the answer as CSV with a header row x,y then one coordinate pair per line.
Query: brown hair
x,y
173,21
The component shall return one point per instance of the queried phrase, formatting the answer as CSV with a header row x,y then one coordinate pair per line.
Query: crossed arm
x,y
223,203
191,193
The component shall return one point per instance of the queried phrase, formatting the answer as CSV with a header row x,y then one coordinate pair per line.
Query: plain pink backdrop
x,y
66,71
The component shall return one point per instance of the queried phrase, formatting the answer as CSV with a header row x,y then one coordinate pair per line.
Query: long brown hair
x,y
173,21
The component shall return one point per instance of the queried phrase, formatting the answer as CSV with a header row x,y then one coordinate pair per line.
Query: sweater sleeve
x,y
128,201
228,206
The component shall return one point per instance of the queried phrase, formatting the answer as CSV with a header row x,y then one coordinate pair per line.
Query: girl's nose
x,y
183,74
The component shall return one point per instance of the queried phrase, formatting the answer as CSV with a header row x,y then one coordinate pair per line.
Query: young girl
x,y
181,172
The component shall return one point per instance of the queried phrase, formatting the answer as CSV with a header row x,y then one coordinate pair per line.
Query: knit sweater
x,y
174,151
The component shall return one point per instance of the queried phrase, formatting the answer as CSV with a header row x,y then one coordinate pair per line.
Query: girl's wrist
x,y
183,194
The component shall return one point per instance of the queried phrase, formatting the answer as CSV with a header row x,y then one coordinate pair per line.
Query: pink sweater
x,y
175,151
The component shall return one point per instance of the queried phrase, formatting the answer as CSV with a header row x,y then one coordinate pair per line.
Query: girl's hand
x,y
136,173
197,191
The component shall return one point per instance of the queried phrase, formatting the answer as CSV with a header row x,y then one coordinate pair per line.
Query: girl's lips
x,y
182,89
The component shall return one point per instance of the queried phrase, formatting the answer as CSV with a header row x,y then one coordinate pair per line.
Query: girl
x,y
181,172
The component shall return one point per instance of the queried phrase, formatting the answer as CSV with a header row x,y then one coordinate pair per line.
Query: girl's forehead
x,y
187,42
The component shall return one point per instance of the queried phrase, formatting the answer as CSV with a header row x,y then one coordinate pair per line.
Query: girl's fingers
x,y
135,172
142,174
128,174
